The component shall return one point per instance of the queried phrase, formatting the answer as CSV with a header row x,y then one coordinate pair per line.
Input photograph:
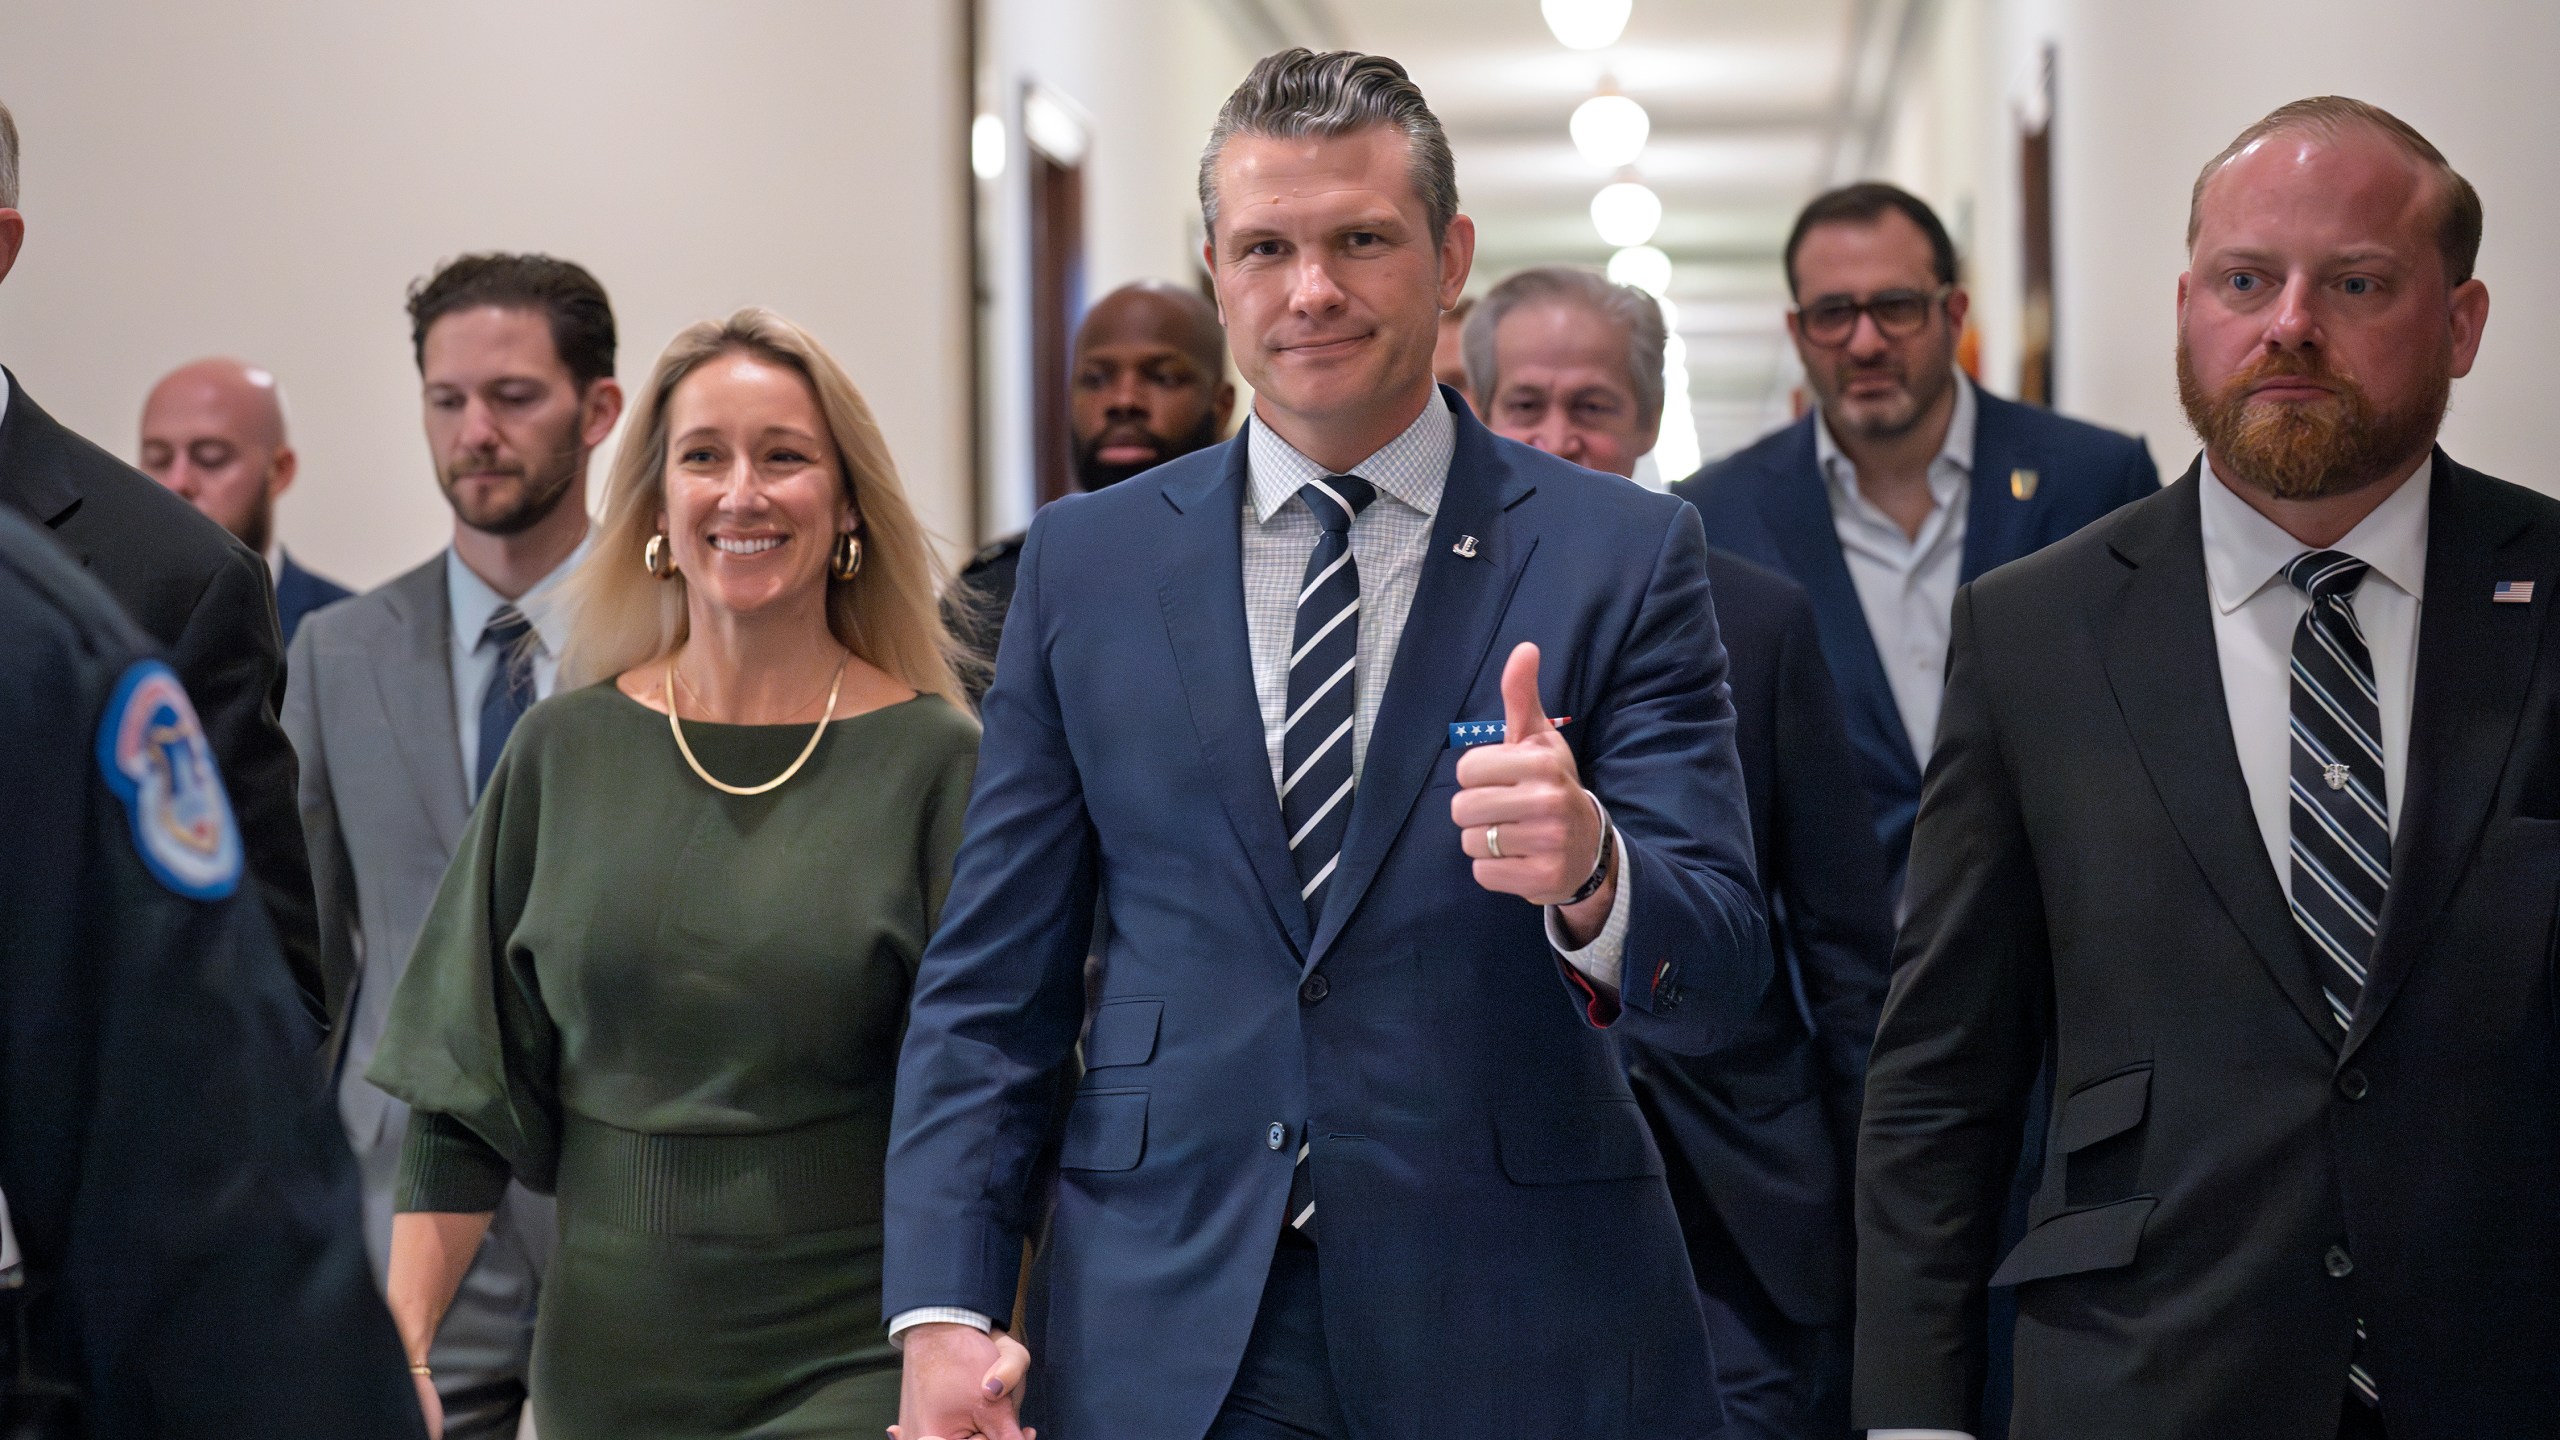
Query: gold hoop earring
x,y
846,562
654,555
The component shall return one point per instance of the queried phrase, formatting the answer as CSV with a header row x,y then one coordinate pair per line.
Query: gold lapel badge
x,y
2022,484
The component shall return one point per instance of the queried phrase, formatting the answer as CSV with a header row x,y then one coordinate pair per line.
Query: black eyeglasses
x,y
1897,313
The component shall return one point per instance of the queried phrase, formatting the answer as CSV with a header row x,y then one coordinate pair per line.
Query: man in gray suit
x,y
403,698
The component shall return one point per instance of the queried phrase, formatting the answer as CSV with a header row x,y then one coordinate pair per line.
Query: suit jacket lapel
x,y
35,474
1457,607
1200,568
413,682
2162,662
1999,525
1796,505
2475,659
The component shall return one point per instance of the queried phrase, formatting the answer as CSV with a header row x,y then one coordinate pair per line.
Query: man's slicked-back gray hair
x,y
1639,314
8,160
1298,94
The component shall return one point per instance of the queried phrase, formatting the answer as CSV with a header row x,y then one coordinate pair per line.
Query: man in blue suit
x,y
1761,1136
1353,1154
1905,481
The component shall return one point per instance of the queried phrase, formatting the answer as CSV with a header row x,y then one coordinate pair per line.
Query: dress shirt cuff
x,y
1918,1435
1600,961
906,1320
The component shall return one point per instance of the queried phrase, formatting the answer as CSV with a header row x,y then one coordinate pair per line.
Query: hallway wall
x,y
266,177
2147,93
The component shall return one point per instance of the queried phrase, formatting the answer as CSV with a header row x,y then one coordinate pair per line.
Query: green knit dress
x,y
679,1011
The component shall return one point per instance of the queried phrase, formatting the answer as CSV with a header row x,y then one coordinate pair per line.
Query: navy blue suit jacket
x,y
1761,1136
1768,502
299,592
1500,1254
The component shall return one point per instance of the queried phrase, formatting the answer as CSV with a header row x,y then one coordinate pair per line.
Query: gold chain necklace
x,y
824,715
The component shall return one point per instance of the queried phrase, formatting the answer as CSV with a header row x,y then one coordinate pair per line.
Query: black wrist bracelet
x,y
1608,847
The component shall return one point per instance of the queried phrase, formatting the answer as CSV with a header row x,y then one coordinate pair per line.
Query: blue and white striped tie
x,y
1316,740
2341,808
1324,660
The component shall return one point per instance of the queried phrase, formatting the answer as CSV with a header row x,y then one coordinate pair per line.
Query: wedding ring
x,y
1493,841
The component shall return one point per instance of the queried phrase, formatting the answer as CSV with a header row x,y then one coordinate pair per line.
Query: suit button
x,y
2340,1263
2352,1085
1279,1136
1316,988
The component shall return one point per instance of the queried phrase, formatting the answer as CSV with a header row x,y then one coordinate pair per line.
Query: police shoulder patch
x,y
154,756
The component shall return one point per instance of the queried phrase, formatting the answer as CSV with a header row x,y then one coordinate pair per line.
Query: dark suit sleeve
x,y
999,997
1662,760
333,874
1955,1060
1830,878
219,1251
231,660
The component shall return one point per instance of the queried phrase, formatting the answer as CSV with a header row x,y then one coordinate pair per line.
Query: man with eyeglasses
x,y
1905,481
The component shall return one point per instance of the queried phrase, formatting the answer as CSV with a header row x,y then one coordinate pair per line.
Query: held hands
x,y
959,1384
1524,799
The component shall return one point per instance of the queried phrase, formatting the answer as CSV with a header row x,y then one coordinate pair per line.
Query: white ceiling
x,y
1756,105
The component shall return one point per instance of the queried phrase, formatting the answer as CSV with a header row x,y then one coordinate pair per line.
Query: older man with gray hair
x,y
1760,1139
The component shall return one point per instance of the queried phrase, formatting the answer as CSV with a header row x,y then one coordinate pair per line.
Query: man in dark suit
x,y
203,596
179,1251
2263,853
1353,1154
1759,1136
1147,385
213,431
1904,481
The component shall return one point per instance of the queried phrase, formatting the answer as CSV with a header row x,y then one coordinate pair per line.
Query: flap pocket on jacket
x,y
1106,1130
2103,1108
2077,1241
1124,1033
1568,1144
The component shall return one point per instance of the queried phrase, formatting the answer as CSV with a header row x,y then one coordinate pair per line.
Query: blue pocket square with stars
x,y
1468,734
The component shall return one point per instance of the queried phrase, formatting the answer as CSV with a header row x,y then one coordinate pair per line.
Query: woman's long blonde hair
x,y
887,613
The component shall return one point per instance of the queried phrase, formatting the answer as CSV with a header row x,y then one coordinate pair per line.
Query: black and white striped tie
x,y
1316,740
2341,808
1324,660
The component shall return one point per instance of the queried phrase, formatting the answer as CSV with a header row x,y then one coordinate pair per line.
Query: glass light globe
x,y
986,146
1626,213
1586,24
1642,266
1610,130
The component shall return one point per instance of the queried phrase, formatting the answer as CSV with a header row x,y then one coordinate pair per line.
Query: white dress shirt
x,y
1388,542
1907,583
2255,610
472,602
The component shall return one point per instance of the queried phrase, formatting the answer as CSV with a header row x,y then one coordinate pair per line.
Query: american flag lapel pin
x,y
2513,592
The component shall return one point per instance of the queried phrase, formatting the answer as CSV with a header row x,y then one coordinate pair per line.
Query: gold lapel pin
x,y
2022,484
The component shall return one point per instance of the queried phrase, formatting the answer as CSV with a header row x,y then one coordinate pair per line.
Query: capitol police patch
x,y
153,752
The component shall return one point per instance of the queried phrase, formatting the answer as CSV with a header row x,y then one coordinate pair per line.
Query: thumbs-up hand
x,y
1521,811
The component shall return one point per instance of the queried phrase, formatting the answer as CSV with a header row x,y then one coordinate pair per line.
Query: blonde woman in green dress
x,y
667,974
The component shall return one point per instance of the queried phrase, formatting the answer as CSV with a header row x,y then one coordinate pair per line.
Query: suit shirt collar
x,y
1413,467
2245,552
472,601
